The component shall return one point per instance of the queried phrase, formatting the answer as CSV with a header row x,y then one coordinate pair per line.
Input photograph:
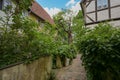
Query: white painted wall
x,y
103,15
115,2
91,26
115,12
92,15
91,7
113,23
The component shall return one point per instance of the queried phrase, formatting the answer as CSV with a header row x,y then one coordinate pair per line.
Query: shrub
x,y
11,48
100,50
68,51
20,37
23,43
64,51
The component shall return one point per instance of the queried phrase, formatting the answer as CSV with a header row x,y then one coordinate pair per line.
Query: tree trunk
x,y
70,40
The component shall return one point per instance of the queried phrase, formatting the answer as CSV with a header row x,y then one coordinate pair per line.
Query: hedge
x,y
100,49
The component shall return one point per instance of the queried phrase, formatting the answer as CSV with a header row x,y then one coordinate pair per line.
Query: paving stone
x,y
72,72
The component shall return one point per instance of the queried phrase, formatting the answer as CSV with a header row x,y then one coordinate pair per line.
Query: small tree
x,y
63,22
64,26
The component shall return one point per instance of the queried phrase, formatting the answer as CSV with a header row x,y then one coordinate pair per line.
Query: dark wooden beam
x,y
109,9
90,18
89,3
83,11
107,20
103,9
115,6
96,15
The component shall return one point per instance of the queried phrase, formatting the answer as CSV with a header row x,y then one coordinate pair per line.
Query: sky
x,y
55,6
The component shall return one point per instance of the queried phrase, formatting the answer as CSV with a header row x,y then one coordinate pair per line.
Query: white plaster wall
x,y
113,23
115,2
92,16
88,20
91,26
2,13
91,7
103,15
115,12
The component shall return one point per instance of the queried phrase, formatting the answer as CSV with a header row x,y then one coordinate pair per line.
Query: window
x,y
25,13
7,2
1,2
41,23
101,4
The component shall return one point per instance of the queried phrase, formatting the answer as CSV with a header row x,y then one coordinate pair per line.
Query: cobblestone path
x,y
72,72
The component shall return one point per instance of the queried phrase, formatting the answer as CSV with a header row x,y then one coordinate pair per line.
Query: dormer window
x,y
101,4
1,4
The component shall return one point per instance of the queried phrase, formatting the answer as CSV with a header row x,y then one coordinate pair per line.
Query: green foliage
x,y
68,51
78,26
68,27
52,76
24,44
61,27
22,5
11,47
64,51
21,40
49,29
100,49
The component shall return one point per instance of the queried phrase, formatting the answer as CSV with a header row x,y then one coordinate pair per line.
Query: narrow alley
x,y
73,72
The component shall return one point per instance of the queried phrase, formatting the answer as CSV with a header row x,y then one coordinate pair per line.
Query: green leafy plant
x,y
52,76
21,40
100,48
64,51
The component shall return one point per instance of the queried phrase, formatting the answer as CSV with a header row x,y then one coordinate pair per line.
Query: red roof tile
x,y
40,12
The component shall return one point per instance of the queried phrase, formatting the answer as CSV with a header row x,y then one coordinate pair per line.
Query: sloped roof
x,y
82,1
40,12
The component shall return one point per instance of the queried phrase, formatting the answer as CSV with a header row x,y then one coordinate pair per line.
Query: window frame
x,y
1,4
102,5
7,2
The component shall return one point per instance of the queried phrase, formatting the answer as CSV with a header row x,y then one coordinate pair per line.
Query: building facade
x,y
97,11
38,14
35,12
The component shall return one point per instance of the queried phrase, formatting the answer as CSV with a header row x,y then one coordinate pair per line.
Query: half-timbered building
x,y
96,11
